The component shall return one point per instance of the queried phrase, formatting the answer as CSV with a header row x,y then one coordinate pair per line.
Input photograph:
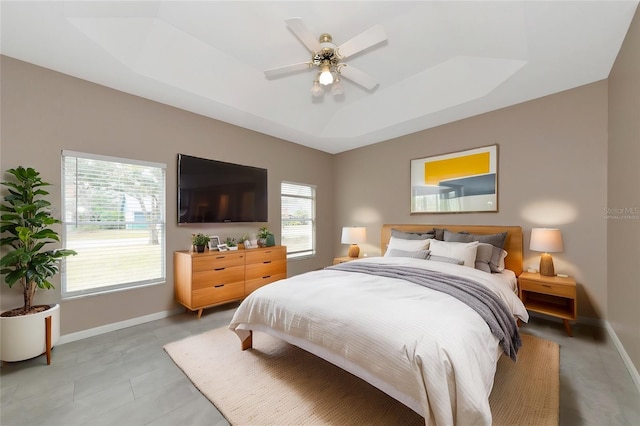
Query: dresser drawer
x,y
266,255
552,289
252,284
217,261
223,275
258,270
217,294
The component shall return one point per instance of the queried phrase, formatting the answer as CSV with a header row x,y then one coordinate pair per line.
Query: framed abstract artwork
x,y
457,182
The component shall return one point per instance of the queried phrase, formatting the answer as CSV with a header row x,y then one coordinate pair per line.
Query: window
x,y
114,217
298,204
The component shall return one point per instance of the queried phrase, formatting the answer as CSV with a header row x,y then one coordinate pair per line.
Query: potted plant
x,y
231,243
200,241
244,241
265,237
24,225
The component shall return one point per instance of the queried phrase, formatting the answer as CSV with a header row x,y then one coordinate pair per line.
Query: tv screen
x,y
211,191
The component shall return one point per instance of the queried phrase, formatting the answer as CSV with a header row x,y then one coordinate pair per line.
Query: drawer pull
x,y
266,261
219,285
219,269
265,277
267,251
220,257
546,285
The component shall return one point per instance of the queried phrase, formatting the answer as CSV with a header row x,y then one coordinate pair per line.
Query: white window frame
x,y
305,253
157,273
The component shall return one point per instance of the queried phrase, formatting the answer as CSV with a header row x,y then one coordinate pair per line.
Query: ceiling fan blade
x,y
301,31
358,77
368,38
275,72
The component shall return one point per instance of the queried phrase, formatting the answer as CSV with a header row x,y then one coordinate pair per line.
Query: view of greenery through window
x,y
114,217
298,218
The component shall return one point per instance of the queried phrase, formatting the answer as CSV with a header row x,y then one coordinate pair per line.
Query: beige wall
x,y
44,112
552,172
623,235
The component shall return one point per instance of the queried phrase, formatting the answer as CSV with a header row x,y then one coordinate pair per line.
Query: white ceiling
x,y
443,60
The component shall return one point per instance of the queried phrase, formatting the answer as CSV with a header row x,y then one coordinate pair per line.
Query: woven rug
x,y
280,384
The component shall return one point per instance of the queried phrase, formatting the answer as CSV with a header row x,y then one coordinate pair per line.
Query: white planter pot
x,y
24,337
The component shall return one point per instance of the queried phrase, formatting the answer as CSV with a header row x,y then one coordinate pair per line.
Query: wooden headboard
x,y
513,243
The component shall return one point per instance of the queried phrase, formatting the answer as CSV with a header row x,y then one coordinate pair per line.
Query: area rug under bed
x,y
276,383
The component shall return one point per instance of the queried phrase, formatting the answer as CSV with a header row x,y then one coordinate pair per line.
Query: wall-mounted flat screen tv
x,y
211,191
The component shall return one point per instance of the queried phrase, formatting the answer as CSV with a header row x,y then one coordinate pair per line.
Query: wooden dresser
x,y
202,280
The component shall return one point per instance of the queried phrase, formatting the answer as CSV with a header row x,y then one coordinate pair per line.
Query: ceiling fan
x,y
327,57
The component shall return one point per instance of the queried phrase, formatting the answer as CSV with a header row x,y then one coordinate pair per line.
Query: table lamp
x,y
354,235
546,240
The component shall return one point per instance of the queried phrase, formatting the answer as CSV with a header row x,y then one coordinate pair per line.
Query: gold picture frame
x,y
457,182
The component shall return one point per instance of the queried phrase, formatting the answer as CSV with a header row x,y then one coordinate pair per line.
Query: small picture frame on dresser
x,y
223,247
214,242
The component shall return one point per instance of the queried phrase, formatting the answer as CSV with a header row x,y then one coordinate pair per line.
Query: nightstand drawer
x,y
544,288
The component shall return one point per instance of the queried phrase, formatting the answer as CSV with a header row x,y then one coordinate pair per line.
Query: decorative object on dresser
x,y
354,235
213,242
463,181
244,242
200,241
265,237
546,240
203,280
231,243
555,296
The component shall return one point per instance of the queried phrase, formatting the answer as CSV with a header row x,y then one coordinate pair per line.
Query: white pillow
x,y
462,251
406,245
501,263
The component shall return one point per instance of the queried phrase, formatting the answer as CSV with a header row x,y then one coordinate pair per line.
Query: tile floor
x,y
125,378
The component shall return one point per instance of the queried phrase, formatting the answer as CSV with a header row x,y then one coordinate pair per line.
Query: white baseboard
x,y
72,337
635,376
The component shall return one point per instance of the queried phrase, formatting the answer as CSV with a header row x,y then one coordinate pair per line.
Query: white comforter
x,y
427,349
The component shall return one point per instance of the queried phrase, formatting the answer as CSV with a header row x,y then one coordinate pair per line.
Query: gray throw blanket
x,y
479,298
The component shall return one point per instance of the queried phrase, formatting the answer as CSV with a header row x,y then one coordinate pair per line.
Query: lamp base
x,y
354,250
546,265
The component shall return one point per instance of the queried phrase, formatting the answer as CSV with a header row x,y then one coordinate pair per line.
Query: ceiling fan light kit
x,y
327,57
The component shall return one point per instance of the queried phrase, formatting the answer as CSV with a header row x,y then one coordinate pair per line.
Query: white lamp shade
x,y
546,240
354,235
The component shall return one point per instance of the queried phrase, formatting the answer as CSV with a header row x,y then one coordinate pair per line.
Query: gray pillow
x,y
411,235
439,233
420,254
445,259
483,257
496,240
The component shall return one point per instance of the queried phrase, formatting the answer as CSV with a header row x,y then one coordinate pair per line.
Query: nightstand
x,y
343,259
555,296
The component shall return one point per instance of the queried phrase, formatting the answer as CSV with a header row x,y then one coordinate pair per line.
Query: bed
x,y
402,321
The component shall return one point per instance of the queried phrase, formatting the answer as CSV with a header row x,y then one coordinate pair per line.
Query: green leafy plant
x,y
263,233
24,225
231,242
200,240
